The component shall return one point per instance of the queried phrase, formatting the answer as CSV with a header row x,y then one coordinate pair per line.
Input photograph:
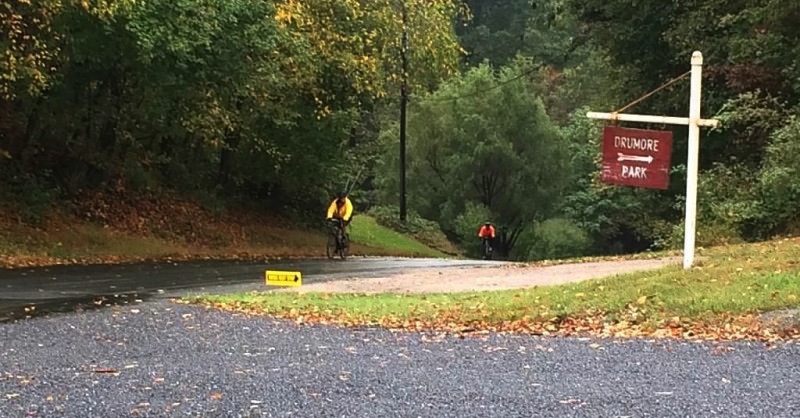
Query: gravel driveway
x,y
158,359
476,279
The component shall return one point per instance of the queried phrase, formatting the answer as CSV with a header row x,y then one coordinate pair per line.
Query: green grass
x,y
730,281
66,239
366,231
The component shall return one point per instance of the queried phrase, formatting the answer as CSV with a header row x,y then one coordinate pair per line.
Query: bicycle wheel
x,y
331,247
344,250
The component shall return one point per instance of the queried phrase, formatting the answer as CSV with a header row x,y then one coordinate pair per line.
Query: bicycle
x,y
487,249
338,242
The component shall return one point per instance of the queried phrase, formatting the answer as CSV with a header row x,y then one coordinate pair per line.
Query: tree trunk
x,y
508,239
226,160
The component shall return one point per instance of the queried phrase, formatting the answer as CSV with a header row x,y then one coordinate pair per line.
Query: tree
x,y
29,44
245,97
484,138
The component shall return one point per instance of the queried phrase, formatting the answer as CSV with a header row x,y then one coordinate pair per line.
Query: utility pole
x,y
403,105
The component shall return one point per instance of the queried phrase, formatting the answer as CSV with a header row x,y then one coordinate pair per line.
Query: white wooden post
x,y
690,223
694,122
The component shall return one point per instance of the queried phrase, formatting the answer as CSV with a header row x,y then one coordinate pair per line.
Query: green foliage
x,y
737,202
726,195
468,222
591,84
30,50
32,196
618,219
279,103
250,99
502,30
638,43
750,118
553,239
779,179
497,30
484,138
709,233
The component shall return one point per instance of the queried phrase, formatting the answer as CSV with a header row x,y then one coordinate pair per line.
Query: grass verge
x,y
720,298
365,230
179,230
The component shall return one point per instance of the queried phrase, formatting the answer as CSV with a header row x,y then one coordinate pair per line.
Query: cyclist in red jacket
x,y
486,232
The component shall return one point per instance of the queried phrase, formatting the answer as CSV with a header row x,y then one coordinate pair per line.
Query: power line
x,y
445,99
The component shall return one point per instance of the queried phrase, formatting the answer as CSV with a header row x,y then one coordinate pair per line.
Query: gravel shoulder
x,y
467,279
158,359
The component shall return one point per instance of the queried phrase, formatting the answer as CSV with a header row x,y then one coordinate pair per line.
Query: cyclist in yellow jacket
x,y
341,208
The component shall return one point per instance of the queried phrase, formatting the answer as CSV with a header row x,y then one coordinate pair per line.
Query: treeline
x,y
507,140
281,102
265,100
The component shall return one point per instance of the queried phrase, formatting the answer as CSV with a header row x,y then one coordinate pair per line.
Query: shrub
x,y
708,234
553,239
470,220
779,179
30,195
467,224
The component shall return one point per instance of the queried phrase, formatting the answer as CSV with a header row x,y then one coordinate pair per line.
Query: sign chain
x,y
662,87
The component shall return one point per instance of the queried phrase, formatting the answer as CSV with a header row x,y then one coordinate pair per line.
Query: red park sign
x,y
636,157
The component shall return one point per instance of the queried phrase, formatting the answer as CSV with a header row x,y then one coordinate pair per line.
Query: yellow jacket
x,y
345,212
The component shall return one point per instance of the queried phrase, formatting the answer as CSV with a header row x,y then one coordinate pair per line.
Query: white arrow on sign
x,y
640,158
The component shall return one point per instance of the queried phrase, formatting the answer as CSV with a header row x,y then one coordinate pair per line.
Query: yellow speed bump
x,y
283,278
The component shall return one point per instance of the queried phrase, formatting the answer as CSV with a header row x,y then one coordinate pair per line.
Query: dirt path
x,y
483,278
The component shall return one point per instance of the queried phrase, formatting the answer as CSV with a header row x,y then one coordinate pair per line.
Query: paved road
x,y
157,359
64,288
172,360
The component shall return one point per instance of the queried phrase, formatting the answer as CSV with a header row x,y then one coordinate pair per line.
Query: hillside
x,y
107,228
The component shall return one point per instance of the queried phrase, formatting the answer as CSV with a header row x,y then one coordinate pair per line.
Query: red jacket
x,y
485,231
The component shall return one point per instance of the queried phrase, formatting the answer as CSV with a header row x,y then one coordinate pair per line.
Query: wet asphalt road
x,y
65,288
159,359
154,358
